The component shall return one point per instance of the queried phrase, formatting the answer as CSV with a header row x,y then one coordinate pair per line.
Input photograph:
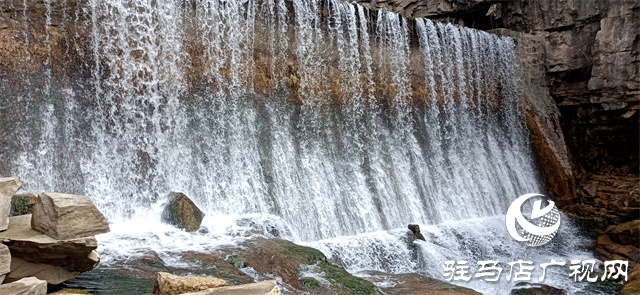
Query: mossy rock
x,y
290,261
181,212
311,283
22,204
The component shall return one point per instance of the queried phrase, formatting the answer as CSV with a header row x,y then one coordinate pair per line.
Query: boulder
x,y
168,284
50,273
181,212
8,187
22,204
415,229
34,246
26,286
64,216
260,288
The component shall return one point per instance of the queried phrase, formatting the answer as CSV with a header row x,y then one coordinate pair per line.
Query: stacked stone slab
x,y
8,187
54,244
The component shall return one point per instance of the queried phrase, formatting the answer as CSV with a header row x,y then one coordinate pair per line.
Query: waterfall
x,y
324,118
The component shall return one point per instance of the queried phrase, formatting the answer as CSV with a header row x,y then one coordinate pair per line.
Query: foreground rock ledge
x,y
65,216
260,288
26,286
34,246
168,284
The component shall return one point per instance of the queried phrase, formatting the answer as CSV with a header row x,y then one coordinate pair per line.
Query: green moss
x,y
307,254
153,262
311,283
22,204
237,262
333,273
339,276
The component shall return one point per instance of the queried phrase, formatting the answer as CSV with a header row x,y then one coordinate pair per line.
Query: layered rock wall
x,y
581,74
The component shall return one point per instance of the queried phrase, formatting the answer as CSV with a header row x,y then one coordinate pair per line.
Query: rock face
x,y
632,287
22,204
260,288
5,261
8,187
168,284
181,212
620,242
47,256
26,286
64,216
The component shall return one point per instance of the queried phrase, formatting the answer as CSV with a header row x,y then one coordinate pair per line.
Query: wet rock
x,y
627,233
168,284
22,204
415,230
26,286
50,273
260,288
5,261
76,255
8,187
260,259
65,216
620,242
181,212
536,289
415,284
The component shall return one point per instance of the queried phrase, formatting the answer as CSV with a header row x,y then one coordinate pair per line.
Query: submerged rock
x,y
22,204
181,212
65,216
168,284
26,286
260,288
8,187
415,284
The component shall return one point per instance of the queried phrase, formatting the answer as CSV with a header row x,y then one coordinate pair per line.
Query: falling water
x,y
333,123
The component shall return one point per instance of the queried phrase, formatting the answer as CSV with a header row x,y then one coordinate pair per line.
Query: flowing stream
x,y
320,121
